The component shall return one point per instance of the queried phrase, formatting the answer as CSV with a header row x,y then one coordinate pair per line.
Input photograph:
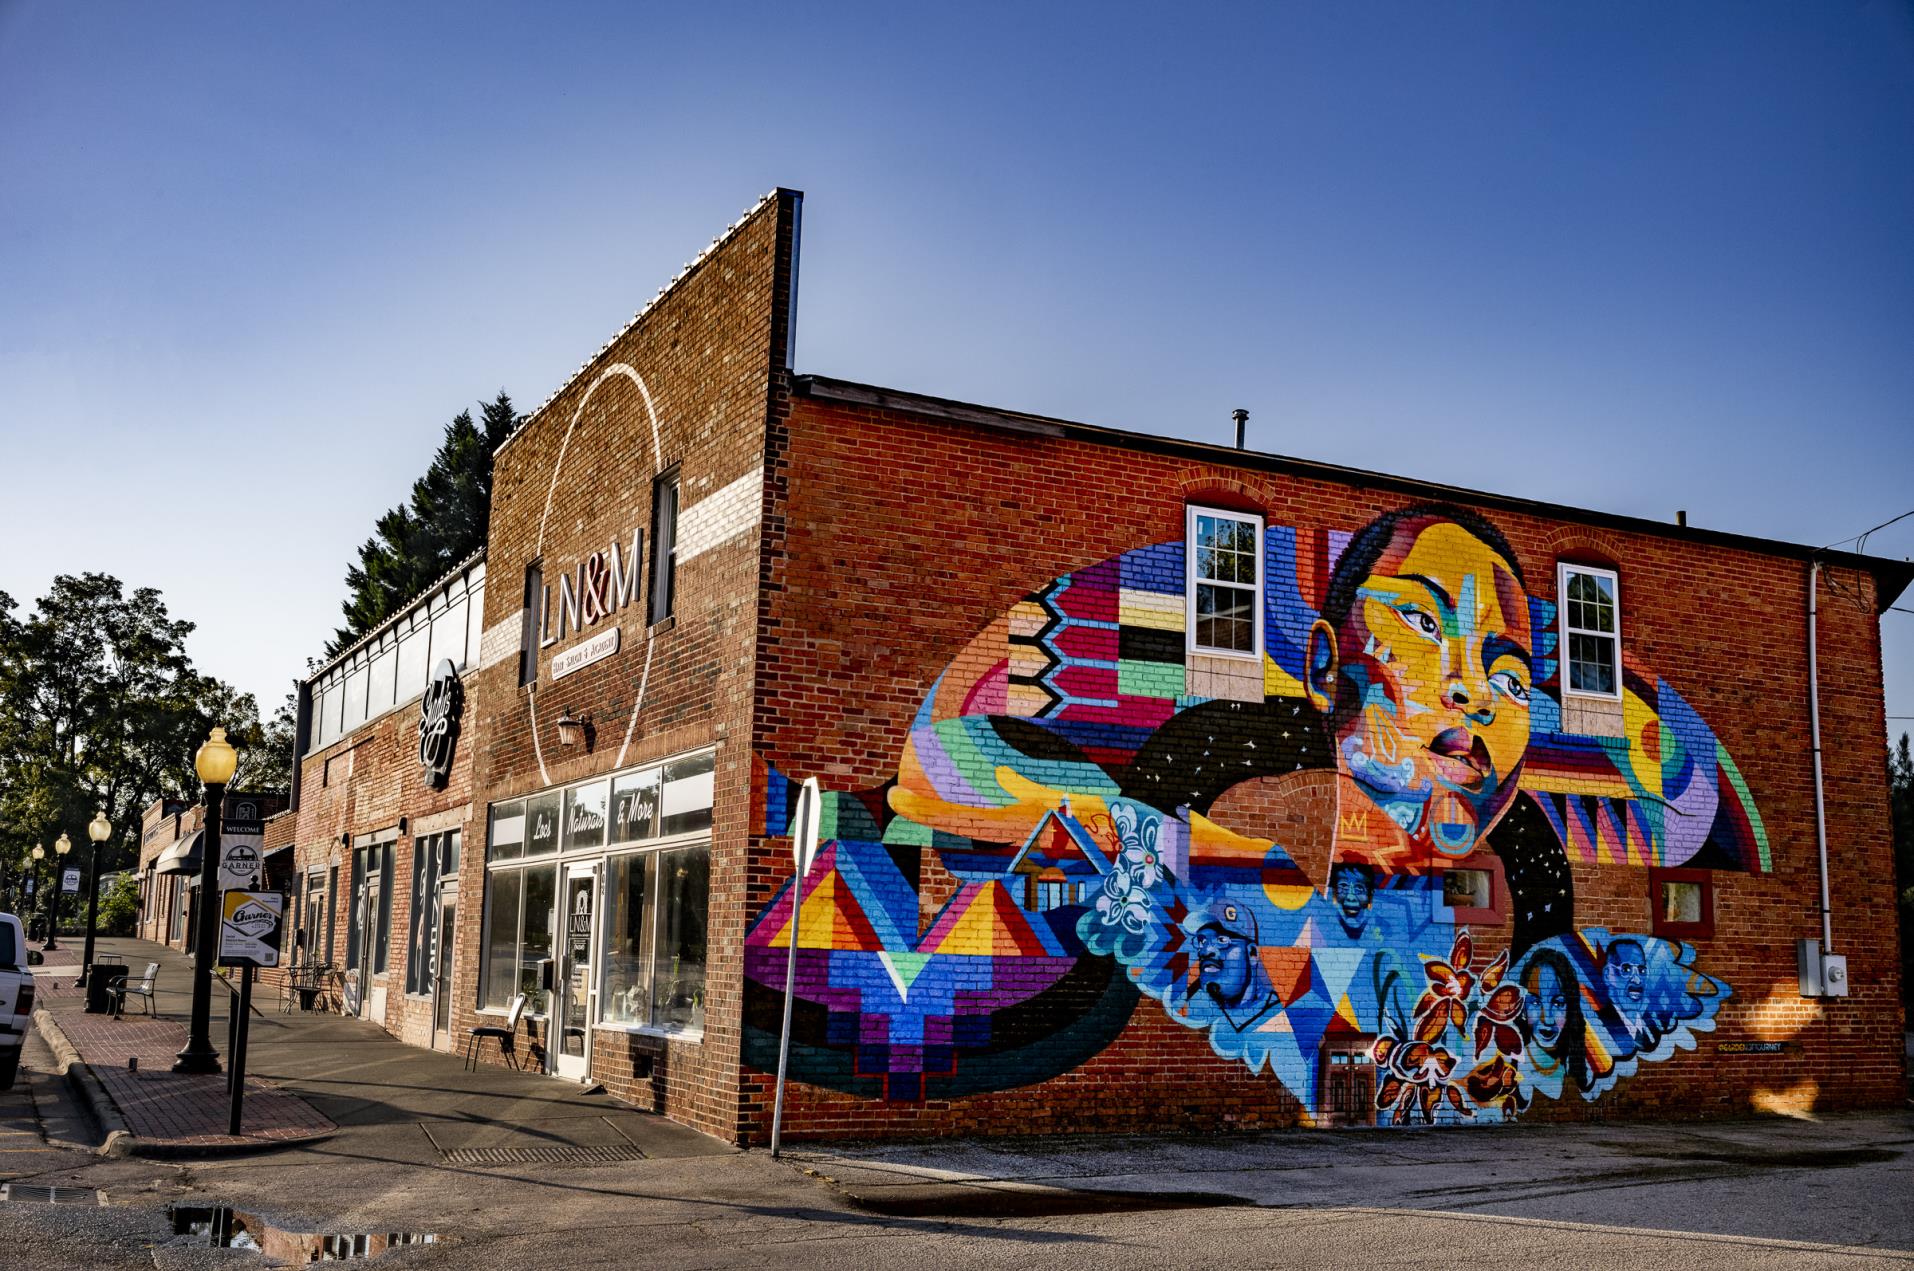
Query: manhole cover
x,y
51,1195
540,1155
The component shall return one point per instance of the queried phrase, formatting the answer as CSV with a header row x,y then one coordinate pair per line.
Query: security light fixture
x,y
572,730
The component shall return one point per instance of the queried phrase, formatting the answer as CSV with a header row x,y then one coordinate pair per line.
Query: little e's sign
x,y
249,927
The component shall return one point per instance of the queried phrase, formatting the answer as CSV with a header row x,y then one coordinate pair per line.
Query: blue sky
x,y
1636,257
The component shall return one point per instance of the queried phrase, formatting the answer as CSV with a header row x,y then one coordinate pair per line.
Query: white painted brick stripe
x,y
720,517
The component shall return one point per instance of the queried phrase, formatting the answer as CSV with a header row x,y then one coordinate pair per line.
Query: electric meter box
x,y
1821,974
1807,964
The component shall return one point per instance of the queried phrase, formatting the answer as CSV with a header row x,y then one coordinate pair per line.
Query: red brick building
x,y
1165,785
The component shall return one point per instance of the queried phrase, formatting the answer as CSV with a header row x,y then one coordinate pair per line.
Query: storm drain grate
x,y
540,1155
51,1195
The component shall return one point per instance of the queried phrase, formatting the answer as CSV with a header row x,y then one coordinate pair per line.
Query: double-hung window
x,y
1225,593
664,544
1591,631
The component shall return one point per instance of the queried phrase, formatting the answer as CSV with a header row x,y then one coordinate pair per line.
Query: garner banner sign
x,y
249,927
239,856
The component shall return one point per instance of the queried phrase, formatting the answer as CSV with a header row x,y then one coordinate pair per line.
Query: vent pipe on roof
x,y
1241,417
1681,518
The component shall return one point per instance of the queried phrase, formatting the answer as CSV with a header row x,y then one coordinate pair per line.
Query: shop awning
x,y
182,857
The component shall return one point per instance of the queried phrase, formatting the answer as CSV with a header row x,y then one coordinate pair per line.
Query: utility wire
x,y
1862,536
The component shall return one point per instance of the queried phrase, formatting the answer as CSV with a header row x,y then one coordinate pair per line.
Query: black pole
x,y
238,1065
92,917
53,906
198,1054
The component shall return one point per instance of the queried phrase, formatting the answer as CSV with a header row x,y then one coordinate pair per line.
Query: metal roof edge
x,y
1892,577
412,602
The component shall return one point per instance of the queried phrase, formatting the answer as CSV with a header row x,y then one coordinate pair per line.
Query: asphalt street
x,y
1751,1194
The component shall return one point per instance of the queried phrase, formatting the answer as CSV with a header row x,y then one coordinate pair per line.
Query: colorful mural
x,y
1344,861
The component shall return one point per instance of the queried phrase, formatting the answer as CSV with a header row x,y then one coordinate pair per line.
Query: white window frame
x,y
1190,581
1564,630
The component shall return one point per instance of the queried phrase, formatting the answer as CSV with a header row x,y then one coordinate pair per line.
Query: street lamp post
x,y
99,829
39,854
61,845
214,763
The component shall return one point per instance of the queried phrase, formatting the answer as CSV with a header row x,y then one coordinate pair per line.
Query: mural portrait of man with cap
x,y
1223,951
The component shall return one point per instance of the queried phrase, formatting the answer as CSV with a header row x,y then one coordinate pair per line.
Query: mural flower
x,y
1450,985
1496,1081
1415,1080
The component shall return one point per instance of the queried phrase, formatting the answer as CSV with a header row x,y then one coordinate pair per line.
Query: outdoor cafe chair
x,y
505,1034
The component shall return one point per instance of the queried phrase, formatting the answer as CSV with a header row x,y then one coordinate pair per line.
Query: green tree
x,y
417,543
1900,771
100,707
120,904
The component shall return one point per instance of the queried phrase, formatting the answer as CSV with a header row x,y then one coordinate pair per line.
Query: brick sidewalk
x,y
170,1111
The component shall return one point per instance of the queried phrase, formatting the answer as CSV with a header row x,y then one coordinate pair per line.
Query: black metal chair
x,y
119,989
505,1034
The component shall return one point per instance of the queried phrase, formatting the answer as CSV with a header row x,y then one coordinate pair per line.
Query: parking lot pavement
x,y
1845,1180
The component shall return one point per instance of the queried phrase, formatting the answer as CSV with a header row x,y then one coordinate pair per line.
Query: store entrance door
x,y
368,917
442,967
571,1031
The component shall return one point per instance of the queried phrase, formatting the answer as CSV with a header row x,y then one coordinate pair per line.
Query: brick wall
x,y
688,384
893,540
367,782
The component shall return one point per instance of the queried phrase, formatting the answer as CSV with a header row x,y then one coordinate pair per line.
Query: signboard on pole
x,y
805,819
70,882
804,825
239,856
250,926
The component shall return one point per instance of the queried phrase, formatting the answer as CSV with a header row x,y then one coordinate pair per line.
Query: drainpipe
x,y
1814,724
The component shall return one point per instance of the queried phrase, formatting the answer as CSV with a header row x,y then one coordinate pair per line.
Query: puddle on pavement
x,y
988,1202
222,1227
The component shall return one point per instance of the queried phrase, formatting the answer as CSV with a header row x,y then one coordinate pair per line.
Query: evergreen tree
x,y
417,543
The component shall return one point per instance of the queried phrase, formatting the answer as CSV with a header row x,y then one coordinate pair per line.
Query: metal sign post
x,y
804,829
251,923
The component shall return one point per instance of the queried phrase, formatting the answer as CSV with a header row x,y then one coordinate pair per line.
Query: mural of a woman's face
x,y
1546,1004
1429,683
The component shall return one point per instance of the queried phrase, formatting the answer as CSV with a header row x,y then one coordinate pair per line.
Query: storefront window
x,y
541,824
501,938
506,842
626,995
688,794
634,806
650,956
654,939
684,883
535,940
430,858
585,816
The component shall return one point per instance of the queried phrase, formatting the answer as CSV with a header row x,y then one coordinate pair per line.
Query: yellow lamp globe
x,y
99,829
63,844
39,853
216,759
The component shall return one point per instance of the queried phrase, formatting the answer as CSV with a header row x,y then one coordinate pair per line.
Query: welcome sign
x,y
250,926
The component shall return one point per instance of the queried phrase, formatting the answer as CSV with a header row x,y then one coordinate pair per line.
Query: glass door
x,y
571,1031
442,968
368,932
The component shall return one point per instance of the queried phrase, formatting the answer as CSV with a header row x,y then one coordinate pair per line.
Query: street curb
x,y
121,1141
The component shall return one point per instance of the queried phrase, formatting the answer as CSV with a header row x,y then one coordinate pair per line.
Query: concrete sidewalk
x,y
316,1075
123,1067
